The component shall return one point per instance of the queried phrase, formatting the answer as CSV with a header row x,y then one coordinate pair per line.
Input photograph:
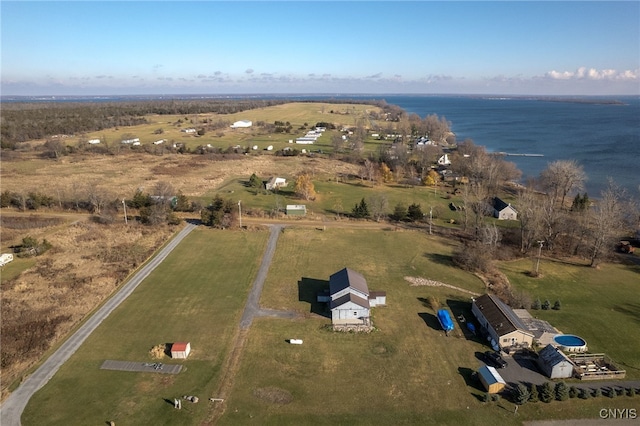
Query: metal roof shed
x,y
491,379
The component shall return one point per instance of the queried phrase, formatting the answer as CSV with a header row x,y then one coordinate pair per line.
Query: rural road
x,y
12,408
252,308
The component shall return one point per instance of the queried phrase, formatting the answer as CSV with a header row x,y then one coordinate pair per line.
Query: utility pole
x,y
430,218
240,212
125,211
539,253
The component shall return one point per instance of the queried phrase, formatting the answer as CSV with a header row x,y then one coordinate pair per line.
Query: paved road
x,y
14,405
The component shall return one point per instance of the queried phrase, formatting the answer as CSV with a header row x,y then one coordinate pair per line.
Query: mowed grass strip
x,y
197,294
600,305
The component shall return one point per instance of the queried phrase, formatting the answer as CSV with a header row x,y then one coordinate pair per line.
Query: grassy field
x,y
597,304
405,372
196,295
296,113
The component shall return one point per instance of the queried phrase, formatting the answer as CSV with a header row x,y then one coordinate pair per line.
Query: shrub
x,y
521,394
495,397
585,394
547,393
598,393
434,303
157,352
537,304
562,391
631,392
533,396
612,393
557,305
573,392
546,305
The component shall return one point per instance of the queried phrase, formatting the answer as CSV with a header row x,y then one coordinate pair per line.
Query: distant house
x,y
93,141
554,363
241,124
275,183
351,301
189,130
134,141
444,160
180,350
504,211
296,210
491,379
158,142
504,328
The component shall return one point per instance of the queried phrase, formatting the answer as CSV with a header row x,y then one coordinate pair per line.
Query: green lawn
x,y
404,372
600,305
197,295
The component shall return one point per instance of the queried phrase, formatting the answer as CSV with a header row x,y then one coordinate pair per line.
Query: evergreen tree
x,y
415,212
557,305
255,181
399,212
522,394
562,391
573,392
547,393
546,305
533,396
361,211
598,393
537,304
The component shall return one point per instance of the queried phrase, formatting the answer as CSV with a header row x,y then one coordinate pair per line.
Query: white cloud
x,y
584,73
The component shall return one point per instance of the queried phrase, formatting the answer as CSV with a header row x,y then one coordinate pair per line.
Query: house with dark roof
x,y
350,299
504,211
500,323
554,363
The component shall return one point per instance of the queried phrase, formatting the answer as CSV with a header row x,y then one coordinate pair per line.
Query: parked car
x,y
494,359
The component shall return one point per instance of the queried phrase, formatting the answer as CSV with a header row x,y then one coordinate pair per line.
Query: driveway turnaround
x,y
14,405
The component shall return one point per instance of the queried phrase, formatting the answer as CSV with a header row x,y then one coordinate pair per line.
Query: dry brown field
x,y
45,297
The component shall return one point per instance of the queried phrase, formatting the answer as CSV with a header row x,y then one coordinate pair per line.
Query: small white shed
x,y
6,258
180,350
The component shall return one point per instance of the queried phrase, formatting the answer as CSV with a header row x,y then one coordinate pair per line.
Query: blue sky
x,y
214,47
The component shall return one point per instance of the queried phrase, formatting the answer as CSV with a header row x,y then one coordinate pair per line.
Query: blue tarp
x,y
445,320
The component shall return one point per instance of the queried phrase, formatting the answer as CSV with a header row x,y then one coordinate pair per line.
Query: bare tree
x,y
606,221
378,205
530,216
561,178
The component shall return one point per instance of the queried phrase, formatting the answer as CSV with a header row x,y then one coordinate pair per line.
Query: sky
x,y
303,47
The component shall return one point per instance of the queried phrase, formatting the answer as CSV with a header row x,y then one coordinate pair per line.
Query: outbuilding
x,y
504,211
554,363
296,210
491,379
180,350
241,124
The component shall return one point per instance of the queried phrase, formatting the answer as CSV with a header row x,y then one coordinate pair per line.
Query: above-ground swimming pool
x,y
570,343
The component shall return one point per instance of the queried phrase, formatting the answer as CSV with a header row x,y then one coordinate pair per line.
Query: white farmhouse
x,y
351,299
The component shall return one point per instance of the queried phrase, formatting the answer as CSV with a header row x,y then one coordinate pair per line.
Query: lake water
x,y
603,138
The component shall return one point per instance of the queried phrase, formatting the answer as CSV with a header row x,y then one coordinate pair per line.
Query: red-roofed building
x,y
180,350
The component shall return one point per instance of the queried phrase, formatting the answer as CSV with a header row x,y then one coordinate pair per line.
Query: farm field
x,y
298,114
196,295
406,371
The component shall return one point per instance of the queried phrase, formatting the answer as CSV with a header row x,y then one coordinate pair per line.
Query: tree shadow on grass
x,y
439,258
308,289
470,378
430,320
